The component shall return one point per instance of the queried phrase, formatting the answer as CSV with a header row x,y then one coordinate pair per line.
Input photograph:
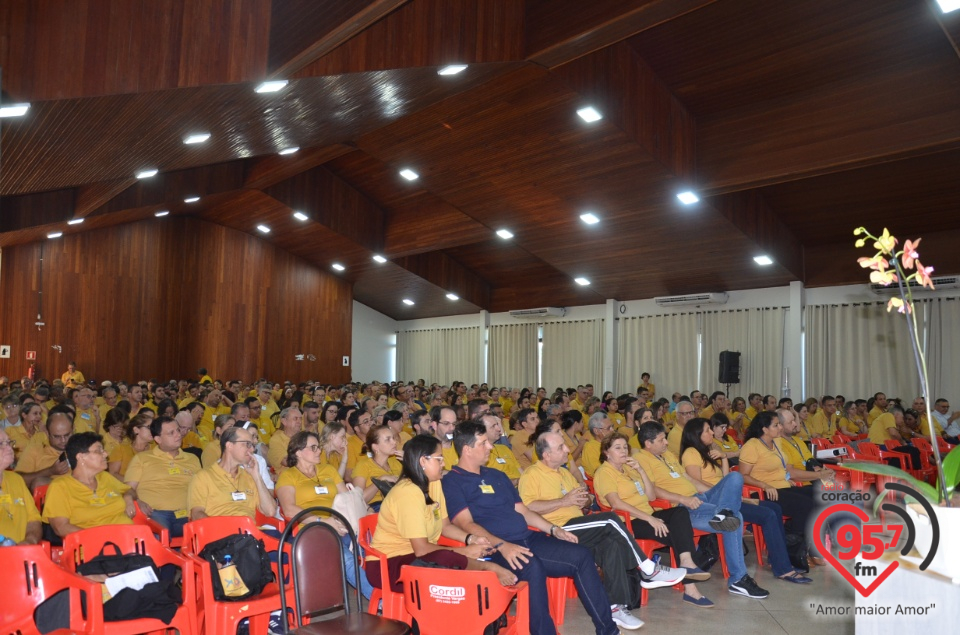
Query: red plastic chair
x,y
30,578
821,444
86,544
161,532
222,617
269,521
446,600
393,605
40,495
697,535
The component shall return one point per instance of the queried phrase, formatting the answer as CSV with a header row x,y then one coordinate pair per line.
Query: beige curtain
x,y
943,357
757,334
857,350
439,355
664,346
572,354
512,351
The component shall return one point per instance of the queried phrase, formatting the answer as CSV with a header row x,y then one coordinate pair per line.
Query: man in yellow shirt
x,y
600,428
161,476
204,377
110,400
879,407
550,490
646,385
685,412
20,520
39,464
883,427
73,378
794,450
718,403
360,422
920,405
233,486
214,403
87,418
267,403
291,422
754,405
501,457
135,398
823,424
445,420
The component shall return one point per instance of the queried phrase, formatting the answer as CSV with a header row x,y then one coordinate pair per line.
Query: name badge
x,y
436,514
320,489
173,471
96,500
501,460
180,513
639,487
239,496
788,476
84,415
673,474
6,498
486,489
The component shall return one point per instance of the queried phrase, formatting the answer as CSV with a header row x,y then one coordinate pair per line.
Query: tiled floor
x,y
787,610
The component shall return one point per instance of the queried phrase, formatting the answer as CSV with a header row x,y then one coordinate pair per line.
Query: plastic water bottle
x,y
227,561
6,542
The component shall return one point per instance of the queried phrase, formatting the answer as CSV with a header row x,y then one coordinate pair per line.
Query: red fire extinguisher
x,y
32,371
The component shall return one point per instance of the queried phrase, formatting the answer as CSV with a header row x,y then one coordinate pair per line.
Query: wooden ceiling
x,y
795,121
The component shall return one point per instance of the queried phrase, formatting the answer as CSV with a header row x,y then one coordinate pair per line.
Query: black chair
x,y
320,582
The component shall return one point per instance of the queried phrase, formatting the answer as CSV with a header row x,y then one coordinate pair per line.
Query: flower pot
x,y
946,562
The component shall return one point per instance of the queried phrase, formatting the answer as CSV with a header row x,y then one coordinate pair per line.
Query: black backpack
x,y
117,563
250,557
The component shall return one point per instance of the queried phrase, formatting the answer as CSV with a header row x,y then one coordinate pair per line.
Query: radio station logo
x,y
868,540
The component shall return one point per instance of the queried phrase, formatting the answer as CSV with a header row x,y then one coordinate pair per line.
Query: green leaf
x,y
888,470
951,469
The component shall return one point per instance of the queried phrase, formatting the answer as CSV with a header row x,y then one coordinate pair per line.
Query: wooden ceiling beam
x,y
302,31
559,31
265,171
94,195
443,271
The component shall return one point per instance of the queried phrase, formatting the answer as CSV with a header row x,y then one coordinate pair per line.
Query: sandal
x,y
795,577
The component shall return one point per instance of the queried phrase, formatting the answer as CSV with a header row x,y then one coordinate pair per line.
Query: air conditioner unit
x,y
535,314
939,283
695,299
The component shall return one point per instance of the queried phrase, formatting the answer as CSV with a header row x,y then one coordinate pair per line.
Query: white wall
x,y
374,348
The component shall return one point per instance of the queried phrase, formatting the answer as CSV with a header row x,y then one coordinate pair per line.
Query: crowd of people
x,y
529,482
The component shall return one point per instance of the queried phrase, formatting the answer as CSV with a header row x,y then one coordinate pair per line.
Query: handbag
x,y
352,506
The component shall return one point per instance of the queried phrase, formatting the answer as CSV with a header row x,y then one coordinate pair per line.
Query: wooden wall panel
x,y
160,298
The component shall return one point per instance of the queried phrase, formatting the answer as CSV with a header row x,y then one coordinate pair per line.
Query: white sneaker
x,y
662,576
624,618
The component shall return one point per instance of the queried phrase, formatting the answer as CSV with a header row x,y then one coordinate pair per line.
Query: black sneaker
x,y
725,520
748,586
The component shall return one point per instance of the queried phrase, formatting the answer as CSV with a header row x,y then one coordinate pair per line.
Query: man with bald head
x,y
39,464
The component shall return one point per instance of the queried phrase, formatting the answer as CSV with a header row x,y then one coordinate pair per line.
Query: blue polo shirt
x,y
492,510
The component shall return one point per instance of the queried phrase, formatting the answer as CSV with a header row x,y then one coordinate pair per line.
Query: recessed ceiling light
x,y
55,235
949,5
191,199
590,114
338,266
409,174
453,296
271,86
300,216
589,218
161,213
379,258
688,198
146,174
75,221
763,260
408,302
199,137
263,229
14,110
506,234
581,281
452,69
289,150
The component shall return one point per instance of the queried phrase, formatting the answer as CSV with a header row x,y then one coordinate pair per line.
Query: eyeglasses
x,y
436,458
312,448
99,450
684,413
8,444
249,444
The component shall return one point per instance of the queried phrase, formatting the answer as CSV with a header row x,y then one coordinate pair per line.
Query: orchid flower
x,y
910,253
900,305
886,242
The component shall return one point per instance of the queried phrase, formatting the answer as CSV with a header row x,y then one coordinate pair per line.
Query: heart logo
x,y
862,515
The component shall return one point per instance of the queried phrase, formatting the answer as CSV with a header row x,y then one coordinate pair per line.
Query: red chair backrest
x,y
39,496
865,447
440,598
197,534
82,546
368,525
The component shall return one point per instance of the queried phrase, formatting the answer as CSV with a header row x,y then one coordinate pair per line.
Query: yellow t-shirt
x,y
193,440
354,451
277,451
69,498
820,424
873,414
403,438
333,459
590,457
162,480
368,469
72,380
709,474
795,452
502,458
879,427
450,457
707,412
542,483
16,507
405,514
849,427
666,472
210,454
925,427
18,434
85,421
37,457
220,494
628,485
519,443
768,466
318,491
265,427
205,425
123,453
725,445
617,419
674,438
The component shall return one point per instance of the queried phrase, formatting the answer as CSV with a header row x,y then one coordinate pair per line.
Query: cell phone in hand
x,y
62,457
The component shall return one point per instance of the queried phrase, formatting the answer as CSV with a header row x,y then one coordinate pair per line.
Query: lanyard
x,y
780,454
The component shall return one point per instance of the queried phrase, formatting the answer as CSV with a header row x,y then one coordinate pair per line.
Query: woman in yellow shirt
x,y
621,484
309,483
114,426
762,464
89,496
719,424
739,420
613,412
138,438
379,460
414,516
30,431
19,518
